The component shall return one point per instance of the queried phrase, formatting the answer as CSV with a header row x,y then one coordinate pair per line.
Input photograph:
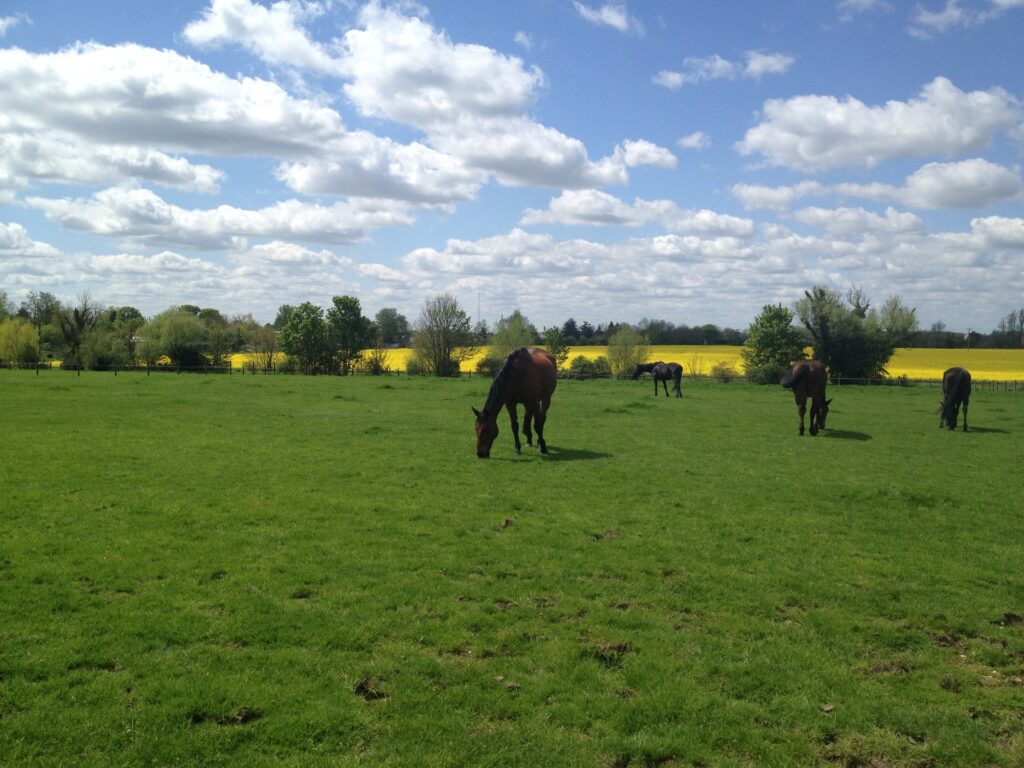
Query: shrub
x,y
584,366
723,372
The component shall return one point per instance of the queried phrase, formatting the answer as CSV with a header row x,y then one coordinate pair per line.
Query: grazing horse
x,y
662,372
956,389
807,379
527,376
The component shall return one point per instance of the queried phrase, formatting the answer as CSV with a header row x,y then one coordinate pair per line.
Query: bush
x,y
723,371
489,364
414,366
288,365
583,366
770,372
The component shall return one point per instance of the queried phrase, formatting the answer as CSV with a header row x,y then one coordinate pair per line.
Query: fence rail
x,y
250,369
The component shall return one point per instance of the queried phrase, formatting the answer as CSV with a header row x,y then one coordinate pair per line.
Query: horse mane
x,y
496,394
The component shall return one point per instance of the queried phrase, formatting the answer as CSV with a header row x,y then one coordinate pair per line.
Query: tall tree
x,y
283,313
443,337
626,348
176,333
7,308
348,332
75,323
557,345
850,345
304,337
263,341
772,345
392,327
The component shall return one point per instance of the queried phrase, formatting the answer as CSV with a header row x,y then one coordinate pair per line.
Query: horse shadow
x,y
845,434
573,454
989,430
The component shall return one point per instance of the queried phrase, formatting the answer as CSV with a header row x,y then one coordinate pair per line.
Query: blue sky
x,y
689,161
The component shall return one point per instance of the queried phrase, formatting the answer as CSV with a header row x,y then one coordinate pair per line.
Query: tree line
x,y
852,337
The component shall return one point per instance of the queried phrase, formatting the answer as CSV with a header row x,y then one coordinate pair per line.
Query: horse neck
x,y
498,393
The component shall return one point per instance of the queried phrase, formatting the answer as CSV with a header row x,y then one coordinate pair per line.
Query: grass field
x,y
301,571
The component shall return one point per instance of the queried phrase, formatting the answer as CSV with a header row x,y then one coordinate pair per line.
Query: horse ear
x,y
475,411
828,402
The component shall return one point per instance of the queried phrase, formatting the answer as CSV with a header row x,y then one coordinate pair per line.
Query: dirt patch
x,y
610,534
371,689
241,717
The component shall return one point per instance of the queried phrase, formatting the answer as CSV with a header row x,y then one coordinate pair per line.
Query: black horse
x,y
662,372
956,390
807,379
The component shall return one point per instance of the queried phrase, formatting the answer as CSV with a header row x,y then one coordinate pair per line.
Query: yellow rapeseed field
x,y
987,364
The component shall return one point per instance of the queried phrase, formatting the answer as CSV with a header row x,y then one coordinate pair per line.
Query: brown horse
x,y
956,390
662,372
527,376
807,379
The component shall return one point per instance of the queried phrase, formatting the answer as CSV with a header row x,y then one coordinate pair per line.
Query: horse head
x,y
823,414
638,372
486,432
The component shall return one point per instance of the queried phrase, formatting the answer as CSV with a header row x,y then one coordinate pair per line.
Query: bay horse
x,y
956,390
527,376
807,380
662,372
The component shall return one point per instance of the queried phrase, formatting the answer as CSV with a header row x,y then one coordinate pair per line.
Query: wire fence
x,y
251,369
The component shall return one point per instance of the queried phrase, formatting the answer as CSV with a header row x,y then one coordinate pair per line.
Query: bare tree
x,y
444,336
264,347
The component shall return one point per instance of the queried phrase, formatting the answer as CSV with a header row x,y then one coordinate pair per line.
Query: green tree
x,y
851,344
626,348
19,341
896,321
443,337
176,333
283,313
557,345
772,345
7,308
348,332
304,337
75,324
511,333
392,327
263,345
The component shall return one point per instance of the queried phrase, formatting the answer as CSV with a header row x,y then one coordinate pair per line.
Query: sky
x,y
690,161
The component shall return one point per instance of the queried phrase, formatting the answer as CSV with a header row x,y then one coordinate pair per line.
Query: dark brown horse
x,y
956,390
807,380
662,372
527,376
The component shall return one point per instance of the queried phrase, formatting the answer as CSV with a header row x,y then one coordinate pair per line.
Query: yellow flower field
x,y
987,364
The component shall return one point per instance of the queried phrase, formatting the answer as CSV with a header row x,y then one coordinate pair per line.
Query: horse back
x,y
537,375
956,384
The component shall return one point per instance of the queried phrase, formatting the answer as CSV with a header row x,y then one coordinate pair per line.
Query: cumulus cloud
x,y
274,34
695,70
975,183
593,208
15,242
141,217
848,222
614,15
759,197
816,133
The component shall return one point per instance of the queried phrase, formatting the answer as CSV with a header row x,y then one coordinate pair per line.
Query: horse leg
x,y
801,407
965,415
664,383
655,385
955,415
679,388
542,416
526,425
515,425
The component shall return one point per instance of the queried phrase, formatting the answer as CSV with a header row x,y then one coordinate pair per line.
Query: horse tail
x,y
795,376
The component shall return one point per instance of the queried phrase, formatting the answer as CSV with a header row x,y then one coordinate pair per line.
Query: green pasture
x,y
257,570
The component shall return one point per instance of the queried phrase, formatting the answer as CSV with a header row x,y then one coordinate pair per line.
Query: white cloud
x,y
593,208
6,22
271,33
141,217
635,153
926,23
614,15
695,140
515,253
850,222
757,197
15,242
697,70
523,40
975,183
815,133
760,64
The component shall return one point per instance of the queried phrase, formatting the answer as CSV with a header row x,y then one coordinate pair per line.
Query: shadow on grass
x,y
988,430
573,454
845,434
